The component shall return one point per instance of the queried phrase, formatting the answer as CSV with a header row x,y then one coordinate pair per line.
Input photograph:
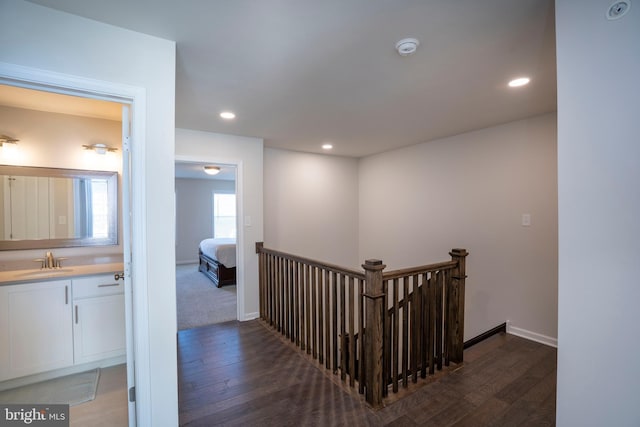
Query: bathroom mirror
x,y
43,208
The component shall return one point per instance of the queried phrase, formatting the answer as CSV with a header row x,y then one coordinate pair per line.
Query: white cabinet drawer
x,y
95,286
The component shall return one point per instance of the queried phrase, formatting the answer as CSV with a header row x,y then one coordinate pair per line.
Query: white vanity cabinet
x,y
54,327
36,332
98,318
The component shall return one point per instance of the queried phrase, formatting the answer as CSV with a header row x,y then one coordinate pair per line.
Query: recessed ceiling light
x,y
228,115
520,81
327,146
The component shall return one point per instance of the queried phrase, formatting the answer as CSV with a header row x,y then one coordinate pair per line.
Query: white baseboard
x,y
533,336
250,316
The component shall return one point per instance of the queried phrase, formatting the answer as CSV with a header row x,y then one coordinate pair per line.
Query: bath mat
x,y
71,389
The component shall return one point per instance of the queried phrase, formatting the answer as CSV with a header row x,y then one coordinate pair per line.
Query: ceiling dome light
x,y
520,81
406,47
327,146
228,115
212,170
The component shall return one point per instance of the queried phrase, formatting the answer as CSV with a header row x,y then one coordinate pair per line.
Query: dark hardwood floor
x,y
241,373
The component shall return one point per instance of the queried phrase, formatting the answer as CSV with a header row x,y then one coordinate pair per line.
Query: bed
x,y
218,260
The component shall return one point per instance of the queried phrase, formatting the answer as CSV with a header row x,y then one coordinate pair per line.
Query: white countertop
x,y
36,275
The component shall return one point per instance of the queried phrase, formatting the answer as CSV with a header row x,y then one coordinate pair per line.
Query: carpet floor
x,y
71,389
199,302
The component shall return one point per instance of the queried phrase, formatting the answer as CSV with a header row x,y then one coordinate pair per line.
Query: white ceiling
x,y
17,97
299,73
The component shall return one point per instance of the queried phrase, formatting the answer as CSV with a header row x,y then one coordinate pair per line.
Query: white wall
x,y
194,214
247,153
311,206
55,140
40,38
470,191
599,211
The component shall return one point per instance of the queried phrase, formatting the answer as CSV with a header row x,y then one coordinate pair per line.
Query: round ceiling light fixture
x,y
212,170
406,47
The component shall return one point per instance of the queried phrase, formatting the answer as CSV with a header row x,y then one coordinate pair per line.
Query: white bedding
x,y
222,250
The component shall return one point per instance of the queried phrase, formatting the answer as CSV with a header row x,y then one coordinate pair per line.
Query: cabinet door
x,y
99,328
35,328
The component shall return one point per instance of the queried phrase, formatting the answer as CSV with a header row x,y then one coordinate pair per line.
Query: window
x,y
224,215
90,207
99,208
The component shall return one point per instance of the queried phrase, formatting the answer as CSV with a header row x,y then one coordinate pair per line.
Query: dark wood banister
x,y
396,274
313,263
387,275
372,291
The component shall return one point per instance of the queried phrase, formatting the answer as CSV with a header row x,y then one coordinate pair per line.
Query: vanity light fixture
x,y
327,146
4,139
100,148
9,146
212,170
228,115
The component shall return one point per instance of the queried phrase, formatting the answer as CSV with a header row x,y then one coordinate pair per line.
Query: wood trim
x,y
324,266
483,336
396,274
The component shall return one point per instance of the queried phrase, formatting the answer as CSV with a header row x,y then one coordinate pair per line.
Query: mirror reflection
x,y
46,208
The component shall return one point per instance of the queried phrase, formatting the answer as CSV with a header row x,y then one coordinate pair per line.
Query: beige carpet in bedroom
x,y
199,302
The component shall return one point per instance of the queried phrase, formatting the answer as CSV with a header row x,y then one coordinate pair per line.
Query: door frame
x,y
240,288
49,81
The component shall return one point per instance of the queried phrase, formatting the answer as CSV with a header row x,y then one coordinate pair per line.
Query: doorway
x,y
206,227
88,109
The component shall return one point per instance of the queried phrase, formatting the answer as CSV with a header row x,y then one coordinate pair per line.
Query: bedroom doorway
x,y
206,250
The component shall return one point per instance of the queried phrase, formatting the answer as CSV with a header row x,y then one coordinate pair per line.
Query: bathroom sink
x,y
44,273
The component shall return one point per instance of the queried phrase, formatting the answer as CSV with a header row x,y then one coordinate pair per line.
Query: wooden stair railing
x,y
373,327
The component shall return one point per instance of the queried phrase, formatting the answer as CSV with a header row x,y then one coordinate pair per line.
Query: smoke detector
x,y
406,47
618,9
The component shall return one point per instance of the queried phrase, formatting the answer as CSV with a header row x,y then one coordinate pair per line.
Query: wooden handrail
x,y
313,263
375,328
396,274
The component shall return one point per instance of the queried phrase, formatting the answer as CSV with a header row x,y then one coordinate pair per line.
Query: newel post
x,y
262,291
374,295
456,328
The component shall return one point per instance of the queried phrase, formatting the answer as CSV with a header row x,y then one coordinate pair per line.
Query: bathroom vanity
x,y
57,321
59,315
